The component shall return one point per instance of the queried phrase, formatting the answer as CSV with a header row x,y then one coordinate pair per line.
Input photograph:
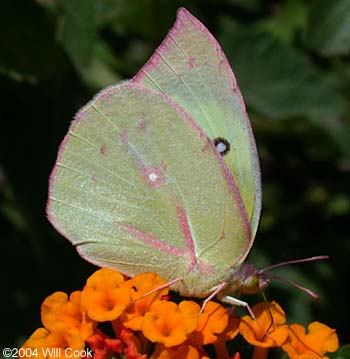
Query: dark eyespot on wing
x,y
222,145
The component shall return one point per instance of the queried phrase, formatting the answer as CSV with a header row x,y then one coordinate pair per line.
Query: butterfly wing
x,y
137,186
191,68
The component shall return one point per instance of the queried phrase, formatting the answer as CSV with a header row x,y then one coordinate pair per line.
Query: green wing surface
x,y
191,68
138,187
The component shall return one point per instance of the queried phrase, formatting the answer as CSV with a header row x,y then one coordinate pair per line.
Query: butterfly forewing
x,y
191,68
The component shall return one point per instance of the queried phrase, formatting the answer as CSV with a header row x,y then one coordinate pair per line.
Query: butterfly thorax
x,y
244,279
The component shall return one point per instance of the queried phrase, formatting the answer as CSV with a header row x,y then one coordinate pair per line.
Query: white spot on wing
x,y
153,177
221,147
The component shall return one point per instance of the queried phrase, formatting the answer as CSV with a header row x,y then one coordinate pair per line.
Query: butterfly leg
x,y
166,285
217,290
237,302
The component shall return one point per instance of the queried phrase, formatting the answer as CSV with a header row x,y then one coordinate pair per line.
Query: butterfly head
x,y
249,280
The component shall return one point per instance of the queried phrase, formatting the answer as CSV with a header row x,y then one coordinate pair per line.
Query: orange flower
x,y
103,297
212,321
229,333
139,286
268,329
57,309
46,344
319,340
179,352
169,323
180,331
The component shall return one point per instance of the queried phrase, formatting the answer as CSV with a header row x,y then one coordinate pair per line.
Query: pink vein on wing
x,y
153,241
186,230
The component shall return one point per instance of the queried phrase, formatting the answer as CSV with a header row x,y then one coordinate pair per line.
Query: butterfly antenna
x,y
270,314
266,331
263,273
264,296
296,261
293,284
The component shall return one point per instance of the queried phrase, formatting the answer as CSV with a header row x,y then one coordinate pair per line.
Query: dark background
x,y
291,59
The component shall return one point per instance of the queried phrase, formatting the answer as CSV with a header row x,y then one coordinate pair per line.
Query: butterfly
x,y
161,173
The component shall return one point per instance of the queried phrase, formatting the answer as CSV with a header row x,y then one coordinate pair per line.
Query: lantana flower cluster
x,y
134,319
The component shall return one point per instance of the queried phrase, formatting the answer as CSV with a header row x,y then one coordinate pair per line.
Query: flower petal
x,y
44,344
322,337
169,323
211,322
228,334
58,309
140,285
314,344
268,329
179,352
103,298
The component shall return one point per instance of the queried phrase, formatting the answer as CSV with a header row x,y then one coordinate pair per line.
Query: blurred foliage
x,y
291,59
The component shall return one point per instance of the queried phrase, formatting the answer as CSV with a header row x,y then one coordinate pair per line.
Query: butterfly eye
x,y
222,145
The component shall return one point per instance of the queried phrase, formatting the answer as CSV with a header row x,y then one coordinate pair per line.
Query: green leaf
x,y
342,353
329,27
278,81
77,30
287,21
121,16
